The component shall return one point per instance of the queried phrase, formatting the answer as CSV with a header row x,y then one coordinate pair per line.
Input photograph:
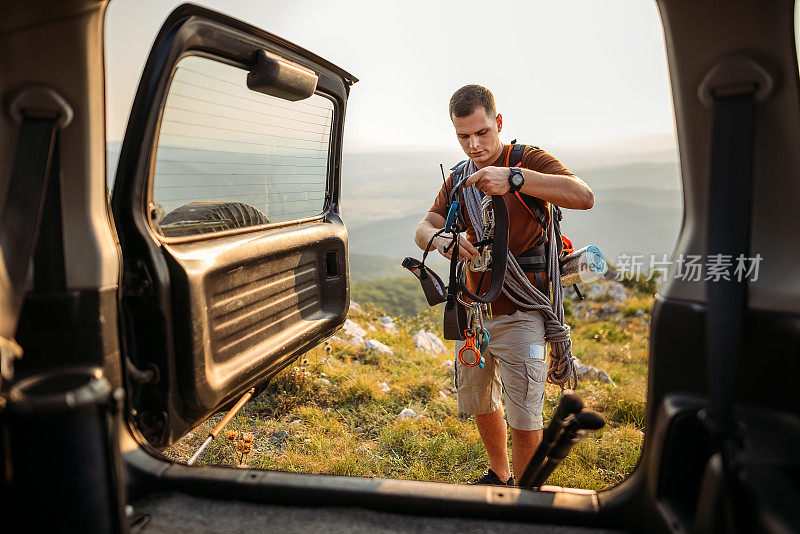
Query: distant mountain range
x,y
638,206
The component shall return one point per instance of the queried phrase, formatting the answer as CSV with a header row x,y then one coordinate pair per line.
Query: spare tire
x,y
210,216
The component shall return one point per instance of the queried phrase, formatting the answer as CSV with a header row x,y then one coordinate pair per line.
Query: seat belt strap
x,y
730,193
729,208
20,222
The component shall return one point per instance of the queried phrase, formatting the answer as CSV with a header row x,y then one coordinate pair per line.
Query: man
x,y
515,358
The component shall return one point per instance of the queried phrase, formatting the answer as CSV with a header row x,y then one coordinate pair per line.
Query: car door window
x,y
228,157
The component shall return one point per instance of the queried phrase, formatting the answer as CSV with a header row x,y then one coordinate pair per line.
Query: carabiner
x,y
469,345
483,340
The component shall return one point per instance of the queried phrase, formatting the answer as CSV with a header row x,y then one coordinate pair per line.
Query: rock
x,y
323,375
586,371
407,413
448,365
296,422
443,394
356,341
429,342
639,313
603,378
590,372
384,387
280,434
355,307
377,346
613,291
323,382
352,329
388,324
335,339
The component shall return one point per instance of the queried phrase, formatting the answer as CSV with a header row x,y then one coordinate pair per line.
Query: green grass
x,y
349,426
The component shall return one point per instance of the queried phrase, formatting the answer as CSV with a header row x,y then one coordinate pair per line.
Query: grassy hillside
x,y
335,411
396,296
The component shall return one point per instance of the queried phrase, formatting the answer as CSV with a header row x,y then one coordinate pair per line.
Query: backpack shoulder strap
x,y
514,155
513,159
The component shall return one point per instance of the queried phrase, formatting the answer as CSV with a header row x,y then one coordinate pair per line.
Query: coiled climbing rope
x,y
520,291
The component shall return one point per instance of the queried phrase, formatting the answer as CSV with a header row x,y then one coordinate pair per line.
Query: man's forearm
x,y
424,233
566,191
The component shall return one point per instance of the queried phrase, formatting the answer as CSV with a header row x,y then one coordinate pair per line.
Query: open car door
x,y
226,204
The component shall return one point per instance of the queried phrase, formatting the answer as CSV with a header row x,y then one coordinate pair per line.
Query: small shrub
x,y
607,333
634,304
644,283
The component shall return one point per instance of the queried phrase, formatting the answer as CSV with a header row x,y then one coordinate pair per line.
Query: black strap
x,y
22,215
730,185
432,285
729,207
515,154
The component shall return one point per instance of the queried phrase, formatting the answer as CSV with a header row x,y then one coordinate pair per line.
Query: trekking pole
x,y
568,405
578,428
225,420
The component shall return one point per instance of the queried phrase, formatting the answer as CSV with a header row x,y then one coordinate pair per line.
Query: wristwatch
x,y
515,179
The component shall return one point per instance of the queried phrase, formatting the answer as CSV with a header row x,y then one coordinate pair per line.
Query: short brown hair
x,y
465,100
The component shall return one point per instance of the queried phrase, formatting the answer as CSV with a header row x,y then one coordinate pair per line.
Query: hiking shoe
x,y
490,478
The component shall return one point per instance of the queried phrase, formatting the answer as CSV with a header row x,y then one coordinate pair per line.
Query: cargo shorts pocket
x,y
537,375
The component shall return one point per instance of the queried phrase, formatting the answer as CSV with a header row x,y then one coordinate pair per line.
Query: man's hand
x,y
490,180
465,248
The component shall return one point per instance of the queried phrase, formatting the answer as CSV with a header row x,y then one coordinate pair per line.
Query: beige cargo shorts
x,y
515,367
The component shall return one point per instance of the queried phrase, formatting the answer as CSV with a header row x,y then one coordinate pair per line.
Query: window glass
x,y
229,157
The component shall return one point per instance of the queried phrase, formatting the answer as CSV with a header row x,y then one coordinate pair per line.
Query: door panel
x,y
252,303
226,205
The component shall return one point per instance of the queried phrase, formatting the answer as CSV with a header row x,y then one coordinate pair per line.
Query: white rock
x,y
585,371
377,346
352,328
407,413
384,387
429,342
296,422
590,372
640,313
388,324
607,290
443,394
448,365
603,378
323,382
355,307
356,341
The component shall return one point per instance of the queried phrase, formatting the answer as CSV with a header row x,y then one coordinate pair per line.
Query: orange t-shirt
x,y
523,230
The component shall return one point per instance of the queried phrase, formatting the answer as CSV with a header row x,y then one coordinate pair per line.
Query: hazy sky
x,y
571,74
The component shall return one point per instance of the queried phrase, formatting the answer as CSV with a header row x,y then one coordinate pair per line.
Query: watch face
x,y
517,179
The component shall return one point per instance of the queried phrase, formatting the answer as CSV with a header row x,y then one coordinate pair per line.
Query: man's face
x,y
479,136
